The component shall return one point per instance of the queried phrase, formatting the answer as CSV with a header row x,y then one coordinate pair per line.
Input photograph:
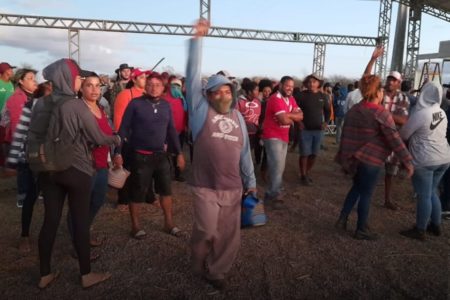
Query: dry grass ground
x,y
297,255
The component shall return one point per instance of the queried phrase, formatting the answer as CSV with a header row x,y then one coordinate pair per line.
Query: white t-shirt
x,y
353,98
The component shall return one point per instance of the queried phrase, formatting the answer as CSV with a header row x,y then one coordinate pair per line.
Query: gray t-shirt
x,y
217,151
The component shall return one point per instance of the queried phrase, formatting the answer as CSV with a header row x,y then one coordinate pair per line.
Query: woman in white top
x,y
425,132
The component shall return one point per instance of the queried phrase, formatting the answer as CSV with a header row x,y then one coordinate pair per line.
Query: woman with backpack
x,y
79,129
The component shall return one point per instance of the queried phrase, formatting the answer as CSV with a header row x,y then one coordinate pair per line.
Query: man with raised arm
x,y
221,169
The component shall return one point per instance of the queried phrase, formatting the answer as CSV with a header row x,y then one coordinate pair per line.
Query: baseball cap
x,y
225,73
396,75
138,72
176,81
5,66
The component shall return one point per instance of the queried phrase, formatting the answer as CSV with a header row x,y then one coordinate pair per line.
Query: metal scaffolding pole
x,y
74,44
384,27
319,59
412,48
205,9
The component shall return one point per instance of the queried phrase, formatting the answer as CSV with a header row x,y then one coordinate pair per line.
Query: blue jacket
x,y
198,108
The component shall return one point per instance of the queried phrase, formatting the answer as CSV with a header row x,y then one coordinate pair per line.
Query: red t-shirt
x,y
100,153
250,110
178,113
276,104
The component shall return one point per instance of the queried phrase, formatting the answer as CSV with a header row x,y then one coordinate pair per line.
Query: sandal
x,y
47,280
139,235
123,208
96,242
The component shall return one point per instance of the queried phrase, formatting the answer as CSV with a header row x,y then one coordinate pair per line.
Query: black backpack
x,y
49,146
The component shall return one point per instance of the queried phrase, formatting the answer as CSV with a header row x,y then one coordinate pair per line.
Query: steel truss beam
x,y
74,45
435,12
384,27
205,9
412,48
173,29
319,59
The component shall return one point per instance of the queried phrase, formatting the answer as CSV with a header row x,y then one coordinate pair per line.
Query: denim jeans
x,y
339,121
276,159
98,193
364,183
425,182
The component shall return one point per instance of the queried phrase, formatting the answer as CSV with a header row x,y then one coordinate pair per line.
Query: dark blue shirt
x,y
147,125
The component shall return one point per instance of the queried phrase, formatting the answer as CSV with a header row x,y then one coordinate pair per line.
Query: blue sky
x,y
103,52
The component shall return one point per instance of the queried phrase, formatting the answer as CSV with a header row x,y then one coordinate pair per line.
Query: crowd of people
x,y
142,120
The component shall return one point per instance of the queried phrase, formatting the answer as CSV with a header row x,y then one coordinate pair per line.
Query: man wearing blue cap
x,y
222,165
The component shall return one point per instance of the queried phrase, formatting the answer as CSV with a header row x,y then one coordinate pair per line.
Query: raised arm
x,y
377,52
193,69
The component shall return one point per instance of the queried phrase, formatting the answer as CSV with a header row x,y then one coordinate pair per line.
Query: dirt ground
x,y
298,254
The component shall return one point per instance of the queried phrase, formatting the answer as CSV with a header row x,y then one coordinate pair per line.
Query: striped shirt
x,y
17,152
369,136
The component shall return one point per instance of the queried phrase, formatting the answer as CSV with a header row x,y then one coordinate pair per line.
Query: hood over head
x,y
431,94
62,74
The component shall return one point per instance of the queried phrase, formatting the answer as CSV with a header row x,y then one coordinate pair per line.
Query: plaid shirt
x,y
369,136
397,106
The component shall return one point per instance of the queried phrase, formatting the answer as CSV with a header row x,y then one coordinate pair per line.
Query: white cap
x,y
396,75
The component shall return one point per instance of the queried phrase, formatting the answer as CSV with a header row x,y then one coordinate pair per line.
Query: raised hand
x,y
378,51
201,28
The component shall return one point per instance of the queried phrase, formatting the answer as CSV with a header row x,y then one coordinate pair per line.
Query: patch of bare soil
x,y
297,255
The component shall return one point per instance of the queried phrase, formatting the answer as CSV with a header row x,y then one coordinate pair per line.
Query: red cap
x,y
5,66
138,72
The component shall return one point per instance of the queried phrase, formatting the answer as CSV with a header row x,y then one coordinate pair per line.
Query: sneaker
x,y
180,178
434,229
365,235
218,284
446,213
19,202
414,233
306,181
341,223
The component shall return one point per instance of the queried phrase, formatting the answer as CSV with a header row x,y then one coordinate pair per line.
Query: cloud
x,y
99,51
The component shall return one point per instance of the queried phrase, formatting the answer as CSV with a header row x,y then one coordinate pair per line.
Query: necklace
x,y
93,108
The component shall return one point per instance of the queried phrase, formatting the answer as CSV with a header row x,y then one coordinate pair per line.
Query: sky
x,y
102,52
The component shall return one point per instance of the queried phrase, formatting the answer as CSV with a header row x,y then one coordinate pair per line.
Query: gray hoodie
x,y
78,121
426,129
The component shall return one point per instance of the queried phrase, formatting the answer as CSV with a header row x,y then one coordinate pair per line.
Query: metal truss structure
x,y
74,44
319,59
75,25
412,47
384,27
443,14
205,9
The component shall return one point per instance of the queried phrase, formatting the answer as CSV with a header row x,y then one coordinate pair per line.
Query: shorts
x,y
144,169
310,141
391,169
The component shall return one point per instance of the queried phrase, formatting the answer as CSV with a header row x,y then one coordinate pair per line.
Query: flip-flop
x,y
139,235
46,285
175,231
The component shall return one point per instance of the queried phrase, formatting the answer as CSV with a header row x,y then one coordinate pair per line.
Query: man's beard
x,y
221,105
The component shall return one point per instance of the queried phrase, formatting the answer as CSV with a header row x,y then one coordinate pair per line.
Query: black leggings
x,y
55,187
28,187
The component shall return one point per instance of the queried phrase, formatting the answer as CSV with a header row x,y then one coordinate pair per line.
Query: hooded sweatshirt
x,y
222,158
426,129
78,121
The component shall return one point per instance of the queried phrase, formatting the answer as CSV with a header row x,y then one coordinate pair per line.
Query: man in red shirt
x,y
281,112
